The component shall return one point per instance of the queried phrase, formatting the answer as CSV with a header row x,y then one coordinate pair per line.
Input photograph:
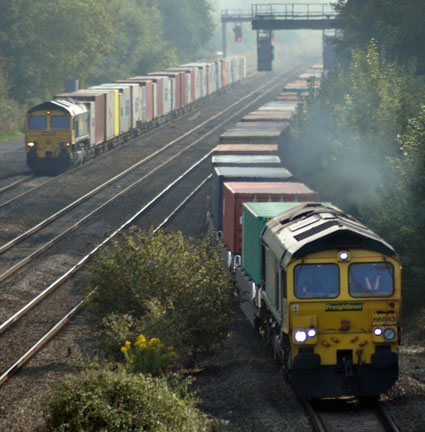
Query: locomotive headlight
x,y
300,336
343,256
30,144
311,333
389,334
377,331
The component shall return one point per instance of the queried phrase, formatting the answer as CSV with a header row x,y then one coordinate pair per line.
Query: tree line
x,y
44,42
360,139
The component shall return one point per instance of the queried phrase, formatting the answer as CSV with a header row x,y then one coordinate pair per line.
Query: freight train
x,y
77,125
323,290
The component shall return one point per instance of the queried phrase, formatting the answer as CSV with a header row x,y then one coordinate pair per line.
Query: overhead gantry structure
x,y
265,18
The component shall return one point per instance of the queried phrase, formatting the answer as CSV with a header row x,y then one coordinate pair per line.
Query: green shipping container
x,y
255,216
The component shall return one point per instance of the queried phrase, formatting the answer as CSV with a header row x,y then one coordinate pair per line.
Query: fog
x,y
288,43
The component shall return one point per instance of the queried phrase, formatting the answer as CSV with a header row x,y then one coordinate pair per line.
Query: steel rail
x,y
99,188
182,203
198,105
16,183
387,418
378,413
55,329
58,282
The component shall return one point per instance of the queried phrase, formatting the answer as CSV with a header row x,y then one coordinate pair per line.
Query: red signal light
x,y
239,39
272,39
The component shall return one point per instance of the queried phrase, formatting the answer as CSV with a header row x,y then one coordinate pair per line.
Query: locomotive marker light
x,y
345,325
311,333
344,256
300,336
377,331
30,144
389,334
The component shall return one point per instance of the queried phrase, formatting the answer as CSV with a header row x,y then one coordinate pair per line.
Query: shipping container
x,y
287,96
256,124
244,174
251,136
268,116
158,96
99,100
147,96
257,149
166,93
246,160
237,193
203,77
195,81
179,90
124,104
255,216
302,85
279,106
112,110
135,96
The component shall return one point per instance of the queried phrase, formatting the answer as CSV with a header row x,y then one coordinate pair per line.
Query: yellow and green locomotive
x,y
57,131
328,301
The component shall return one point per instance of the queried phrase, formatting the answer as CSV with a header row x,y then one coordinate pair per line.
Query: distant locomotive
x,y
323,290
78,125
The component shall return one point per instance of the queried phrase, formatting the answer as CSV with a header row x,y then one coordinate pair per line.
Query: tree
x,y
139,45
398,27
45,42
347,131
188,25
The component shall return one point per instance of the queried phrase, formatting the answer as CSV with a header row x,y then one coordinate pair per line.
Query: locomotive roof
x,y
68,105
312,227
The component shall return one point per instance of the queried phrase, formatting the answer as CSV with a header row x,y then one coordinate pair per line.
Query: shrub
x,y
148,356
174,288
112,400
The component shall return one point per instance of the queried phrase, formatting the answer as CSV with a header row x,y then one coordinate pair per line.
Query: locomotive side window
x,y
371,279
37,122
59,122
316,281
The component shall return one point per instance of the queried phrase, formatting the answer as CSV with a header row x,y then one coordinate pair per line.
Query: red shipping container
x,y
100,107
147,83
255,149
159,91
236,193
190,71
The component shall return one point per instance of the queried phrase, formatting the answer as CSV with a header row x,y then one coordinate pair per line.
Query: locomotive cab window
x,y
37,122
316,281
371,279
59,122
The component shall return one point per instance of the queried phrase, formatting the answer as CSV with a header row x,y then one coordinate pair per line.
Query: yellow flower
x,y
140,342
155,345
124,349
127,344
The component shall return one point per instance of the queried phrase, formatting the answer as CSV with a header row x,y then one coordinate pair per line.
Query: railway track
x,y
348,415
55,308
23,186
20,256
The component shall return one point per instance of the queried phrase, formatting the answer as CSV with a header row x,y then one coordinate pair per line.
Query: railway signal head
x,y
238,33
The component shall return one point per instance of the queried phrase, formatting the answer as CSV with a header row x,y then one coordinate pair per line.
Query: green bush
x,y
102,399
171,287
